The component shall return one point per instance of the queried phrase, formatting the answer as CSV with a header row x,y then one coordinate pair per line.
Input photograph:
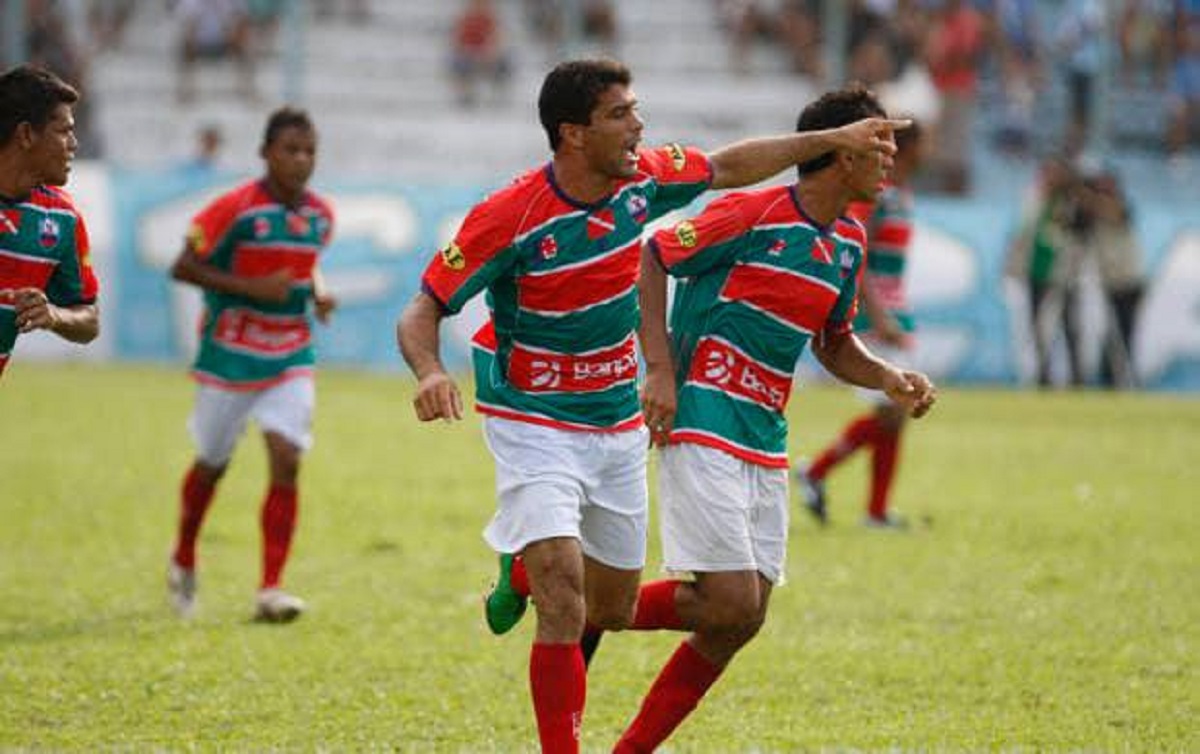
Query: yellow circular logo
x,y
453,258
686,233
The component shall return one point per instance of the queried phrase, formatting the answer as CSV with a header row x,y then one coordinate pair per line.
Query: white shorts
x,y
219,416
719,513
560,483
900,357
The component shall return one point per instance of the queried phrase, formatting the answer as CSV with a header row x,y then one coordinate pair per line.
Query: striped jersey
x,y
757,279
247,344
561,282
889,230
43,244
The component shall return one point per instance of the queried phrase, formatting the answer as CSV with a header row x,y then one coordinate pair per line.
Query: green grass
x,y
1053,603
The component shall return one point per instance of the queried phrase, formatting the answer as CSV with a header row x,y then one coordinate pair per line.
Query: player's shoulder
x,y
241,198
851,229
530,198
672,157
53,197
320,202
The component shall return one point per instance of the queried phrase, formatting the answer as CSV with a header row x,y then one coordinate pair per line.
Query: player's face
x,y
610,141
291,158
54,146
868,172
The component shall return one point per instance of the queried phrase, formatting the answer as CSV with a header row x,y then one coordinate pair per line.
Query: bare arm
x,y
658,392
273,288
324,301
846,358
417,335
753,160
79,323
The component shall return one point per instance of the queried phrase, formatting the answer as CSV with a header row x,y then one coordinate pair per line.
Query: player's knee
x,y
561,615
738,618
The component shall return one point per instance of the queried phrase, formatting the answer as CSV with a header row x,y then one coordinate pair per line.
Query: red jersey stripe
x,y
796,300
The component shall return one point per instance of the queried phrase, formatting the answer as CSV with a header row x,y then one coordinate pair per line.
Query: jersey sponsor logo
x,y
261,334
262,227
453,258
718,364
685,232
10,221
677,155
637,205
548,247
49,232
777,246
541,371
600,224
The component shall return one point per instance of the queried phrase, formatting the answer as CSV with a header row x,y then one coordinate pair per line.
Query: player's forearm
x,y
753,160
417,335
652,298
846,358
188,269
78,324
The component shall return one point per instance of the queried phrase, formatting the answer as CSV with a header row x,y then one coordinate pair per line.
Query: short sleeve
x,y
74,280
480,253
680,174
714,238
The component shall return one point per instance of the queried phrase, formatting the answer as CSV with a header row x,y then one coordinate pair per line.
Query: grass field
x,y
1052,604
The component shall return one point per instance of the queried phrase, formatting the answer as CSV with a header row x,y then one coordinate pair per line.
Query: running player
x,y
254,252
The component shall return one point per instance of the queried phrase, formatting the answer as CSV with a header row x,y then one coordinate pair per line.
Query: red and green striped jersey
x,y
247,344
561,281
757,280
889,230
43,244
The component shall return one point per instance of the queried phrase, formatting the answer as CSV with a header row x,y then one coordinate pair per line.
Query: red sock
x,y
675,693
558,682
518,578
656,607
278,523
195,498
883,470
861,431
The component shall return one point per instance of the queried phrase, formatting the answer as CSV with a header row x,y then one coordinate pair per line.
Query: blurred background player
x,y
254,252
46,279
556,367
887,326
761,275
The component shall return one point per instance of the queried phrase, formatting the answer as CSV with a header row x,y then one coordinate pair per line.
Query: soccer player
x,y
46,279
887,326
254,252
760,276
558,253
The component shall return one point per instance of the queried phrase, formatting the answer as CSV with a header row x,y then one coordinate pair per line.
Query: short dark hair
x,y
30,94
570,92
836,108
285,117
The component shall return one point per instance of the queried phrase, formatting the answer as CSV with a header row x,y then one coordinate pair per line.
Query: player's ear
x,y
25,134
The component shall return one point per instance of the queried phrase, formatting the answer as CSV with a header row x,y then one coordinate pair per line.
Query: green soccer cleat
x,y
503,607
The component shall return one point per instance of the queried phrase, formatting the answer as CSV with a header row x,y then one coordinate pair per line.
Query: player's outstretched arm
x,y
417,335
658,391
845,357
753,160
189,268
78,324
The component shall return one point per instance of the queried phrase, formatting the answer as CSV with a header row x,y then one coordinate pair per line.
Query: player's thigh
x,y
539,493
616,508
704,511
217,420
768,524
286,409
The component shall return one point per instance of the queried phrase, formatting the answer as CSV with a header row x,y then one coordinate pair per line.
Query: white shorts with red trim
x,y
219,417
719,513
552,482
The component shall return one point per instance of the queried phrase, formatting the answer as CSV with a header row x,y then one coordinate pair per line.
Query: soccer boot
x,y
813,492
277,606
887,522
181,589
503,607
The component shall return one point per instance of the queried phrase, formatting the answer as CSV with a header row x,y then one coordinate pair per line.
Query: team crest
x,y
548,247
453,257
846,261
601,223
677,155
686,233
636,206
49,232
298,224
777,246
262,227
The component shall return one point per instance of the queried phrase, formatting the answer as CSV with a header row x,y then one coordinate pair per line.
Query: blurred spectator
x,y
1113,244
214,30
1045,257
1018,50
209,141
107,20
1143,32
953,50
1079,39
599,19
479,50
1183,125
50,43
799,31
